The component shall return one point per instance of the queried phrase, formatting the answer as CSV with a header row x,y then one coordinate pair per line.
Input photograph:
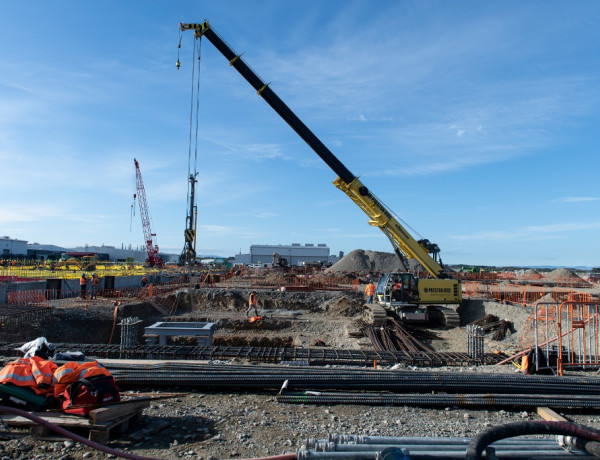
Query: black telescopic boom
x,y
273,100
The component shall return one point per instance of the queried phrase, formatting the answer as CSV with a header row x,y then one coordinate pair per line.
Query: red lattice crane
x,y
153,259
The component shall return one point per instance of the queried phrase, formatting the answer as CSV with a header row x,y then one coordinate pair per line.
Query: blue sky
x,y
475,122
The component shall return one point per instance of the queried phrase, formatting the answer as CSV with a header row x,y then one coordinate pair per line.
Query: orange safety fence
x,y
566,331
526,295
43,297
475,289
577,332
36,298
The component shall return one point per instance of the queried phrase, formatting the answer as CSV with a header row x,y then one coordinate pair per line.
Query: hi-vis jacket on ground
x,y
34,373
44,378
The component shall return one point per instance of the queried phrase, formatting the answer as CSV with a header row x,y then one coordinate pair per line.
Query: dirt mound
x,y
343,306
360,260
562,273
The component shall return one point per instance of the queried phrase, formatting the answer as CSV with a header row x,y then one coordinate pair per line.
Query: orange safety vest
x,y
35,373
82,280
370,289
73,371
95,281
252,299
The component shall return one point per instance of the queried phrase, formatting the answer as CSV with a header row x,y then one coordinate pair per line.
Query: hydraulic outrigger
x,y
415,294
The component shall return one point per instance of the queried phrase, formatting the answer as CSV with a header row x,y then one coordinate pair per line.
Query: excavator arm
x,y
379,215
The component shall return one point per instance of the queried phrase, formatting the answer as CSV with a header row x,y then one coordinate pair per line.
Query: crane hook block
x,y
178,64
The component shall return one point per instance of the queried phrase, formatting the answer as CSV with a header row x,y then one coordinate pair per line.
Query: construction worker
x,y
398,291
370,292
82,286
144,281
95,282
252,304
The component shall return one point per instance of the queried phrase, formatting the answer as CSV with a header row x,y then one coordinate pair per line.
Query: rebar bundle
x,y
129,332
313,355
442,400
475,344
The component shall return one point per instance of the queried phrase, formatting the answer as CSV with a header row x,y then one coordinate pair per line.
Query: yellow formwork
x,y
44,271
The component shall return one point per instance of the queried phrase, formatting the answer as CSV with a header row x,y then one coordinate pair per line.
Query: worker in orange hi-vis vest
x,y
370,292
83,286
95,283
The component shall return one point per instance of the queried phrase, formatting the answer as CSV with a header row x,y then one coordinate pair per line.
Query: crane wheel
x,y
374,314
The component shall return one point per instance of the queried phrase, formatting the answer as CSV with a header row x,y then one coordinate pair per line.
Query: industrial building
x,y
295,254
11,247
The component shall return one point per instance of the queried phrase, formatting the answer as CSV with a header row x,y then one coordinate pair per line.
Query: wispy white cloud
x,y
532,232
576,199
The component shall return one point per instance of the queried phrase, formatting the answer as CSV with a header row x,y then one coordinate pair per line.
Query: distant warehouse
x,y
295,254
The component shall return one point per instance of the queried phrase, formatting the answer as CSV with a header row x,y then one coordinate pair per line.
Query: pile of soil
x,y
360,260
563,274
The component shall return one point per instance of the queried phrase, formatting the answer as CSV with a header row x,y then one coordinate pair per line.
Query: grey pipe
x,y
435,440
305,454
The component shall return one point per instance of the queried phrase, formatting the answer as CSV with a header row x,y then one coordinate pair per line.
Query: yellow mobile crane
x,y
411,298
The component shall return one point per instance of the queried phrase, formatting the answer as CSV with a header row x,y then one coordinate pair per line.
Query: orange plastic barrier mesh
x,y
27,298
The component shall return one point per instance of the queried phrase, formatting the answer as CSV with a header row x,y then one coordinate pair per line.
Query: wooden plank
x,y
548,414
58,419
108,413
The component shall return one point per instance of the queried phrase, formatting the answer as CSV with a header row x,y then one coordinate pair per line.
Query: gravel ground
x,y
215,425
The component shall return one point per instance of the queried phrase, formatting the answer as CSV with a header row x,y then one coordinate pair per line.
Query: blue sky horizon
x,y
475,123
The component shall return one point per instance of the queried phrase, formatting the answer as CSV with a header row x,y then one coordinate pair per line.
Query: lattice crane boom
x,y
151,248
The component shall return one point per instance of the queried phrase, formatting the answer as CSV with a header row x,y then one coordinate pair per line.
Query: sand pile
x,y
563,274
360,260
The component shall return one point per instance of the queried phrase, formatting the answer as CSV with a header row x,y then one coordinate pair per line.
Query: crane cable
x,y
132,210
196,92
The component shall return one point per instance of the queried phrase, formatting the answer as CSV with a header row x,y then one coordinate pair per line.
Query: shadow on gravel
x,y
151,432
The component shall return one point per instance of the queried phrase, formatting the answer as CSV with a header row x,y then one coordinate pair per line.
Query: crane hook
x,y
178,64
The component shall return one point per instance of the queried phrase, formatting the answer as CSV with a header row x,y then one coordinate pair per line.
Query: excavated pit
x,y
283,317
289,319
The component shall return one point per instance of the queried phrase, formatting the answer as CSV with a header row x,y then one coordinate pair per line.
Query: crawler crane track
x,y
375,314
449,318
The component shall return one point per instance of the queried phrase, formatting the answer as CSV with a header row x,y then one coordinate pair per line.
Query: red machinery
x,y
153,259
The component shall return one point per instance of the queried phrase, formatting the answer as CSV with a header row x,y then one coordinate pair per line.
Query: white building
x,y
295,253
12,247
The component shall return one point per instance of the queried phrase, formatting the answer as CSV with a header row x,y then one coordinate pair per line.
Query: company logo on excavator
x,y
432,290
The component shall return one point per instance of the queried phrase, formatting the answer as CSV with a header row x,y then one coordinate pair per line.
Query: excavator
x,y
279,261
412,299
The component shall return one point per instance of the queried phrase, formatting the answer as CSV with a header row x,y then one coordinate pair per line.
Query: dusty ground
x,y
215,425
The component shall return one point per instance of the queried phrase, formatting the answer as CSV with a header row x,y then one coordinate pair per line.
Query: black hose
x,y
73,436
101,447
487,437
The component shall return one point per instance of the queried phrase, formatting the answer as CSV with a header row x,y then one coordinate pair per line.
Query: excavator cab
x,y
397,288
